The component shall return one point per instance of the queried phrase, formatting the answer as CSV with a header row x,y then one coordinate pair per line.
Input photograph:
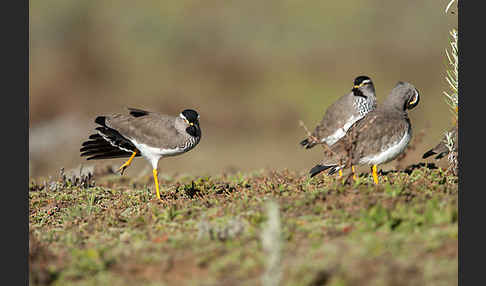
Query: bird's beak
x,y
356,86
190,123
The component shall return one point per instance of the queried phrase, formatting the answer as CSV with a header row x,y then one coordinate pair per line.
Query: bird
x,y
441,148
378,138
151,135
343,113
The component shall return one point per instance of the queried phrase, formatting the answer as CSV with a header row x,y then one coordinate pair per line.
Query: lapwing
x,y
143,133
441,149
343,113
377,138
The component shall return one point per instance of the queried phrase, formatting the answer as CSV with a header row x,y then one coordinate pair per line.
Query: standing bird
x,y
143,133
378,138
441,149
343,113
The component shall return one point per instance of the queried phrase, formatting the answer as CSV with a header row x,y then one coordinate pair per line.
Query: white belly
x,y
387,153
153,154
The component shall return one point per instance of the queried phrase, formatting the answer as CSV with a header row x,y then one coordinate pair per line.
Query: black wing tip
x,y
94,136
428,154
307,143
93,142
317,169
99,148
333,170
102,129
135,112
109,155
101,120
84,154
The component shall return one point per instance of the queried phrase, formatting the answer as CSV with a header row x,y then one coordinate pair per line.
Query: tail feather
x,y
304,142
430,153
95,137
307,143
102,149
317,169
107,144
114,138
333,170
112,155
441,154
135,112
95,142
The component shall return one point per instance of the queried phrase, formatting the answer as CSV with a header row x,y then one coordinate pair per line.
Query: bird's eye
x,y
413,101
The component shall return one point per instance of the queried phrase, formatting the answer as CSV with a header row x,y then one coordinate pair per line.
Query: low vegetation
x,y
111,230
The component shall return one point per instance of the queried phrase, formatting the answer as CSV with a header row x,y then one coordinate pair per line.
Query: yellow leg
x,y
340,173
375,174
127,163
354,172
156,180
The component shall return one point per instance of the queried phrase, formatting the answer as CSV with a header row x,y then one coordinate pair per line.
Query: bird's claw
x,y
122,170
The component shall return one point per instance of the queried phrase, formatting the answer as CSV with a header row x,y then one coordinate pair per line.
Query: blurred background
x,y
252,69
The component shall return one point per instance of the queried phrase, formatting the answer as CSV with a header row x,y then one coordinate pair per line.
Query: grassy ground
x,y
209,230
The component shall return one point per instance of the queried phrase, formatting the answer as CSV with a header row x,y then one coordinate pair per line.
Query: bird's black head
x,y
362,79
191,116
360,83
192,119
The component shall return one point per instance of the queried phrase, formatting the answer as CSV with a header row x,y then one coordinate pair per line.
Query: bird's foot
x,y
122,169
126,164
